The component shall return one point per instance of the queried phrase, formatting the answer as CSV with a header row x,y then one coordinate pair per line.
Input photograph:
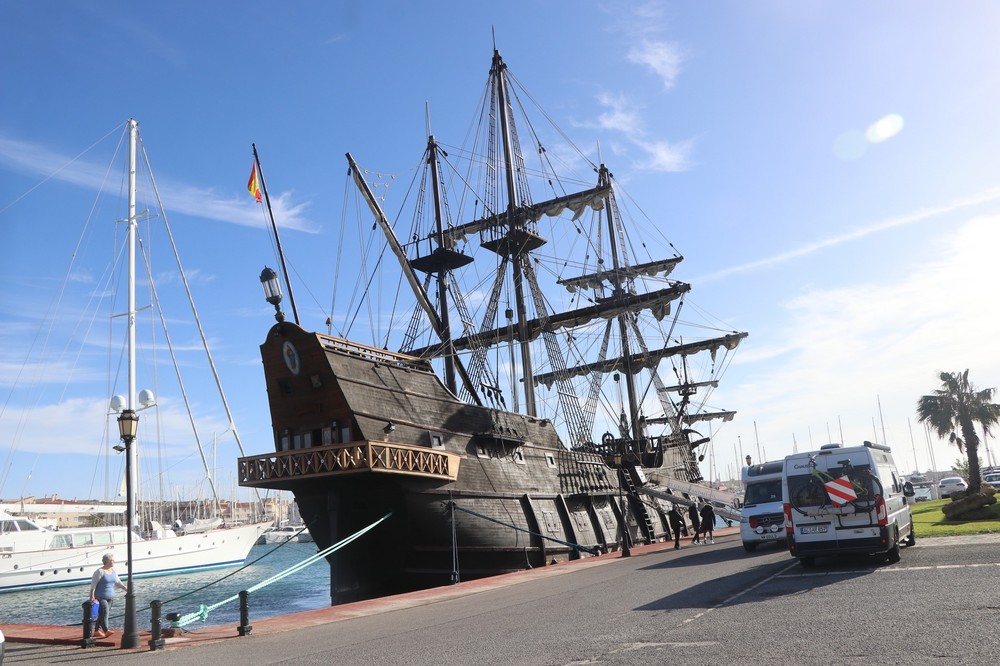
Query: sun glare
x,y
884,128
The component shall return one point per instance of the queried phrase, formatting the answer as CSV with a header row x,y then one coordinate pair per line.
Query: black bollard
x,y
156,641
88,625
245,627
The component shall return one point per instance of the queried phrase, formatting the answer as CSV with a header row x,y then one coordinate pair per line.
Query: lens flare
x,y
850,145
884,128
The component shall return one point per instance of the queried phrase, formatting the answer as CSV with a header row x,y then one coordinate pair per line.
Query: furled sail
x,y
661,268
577,202
657,302
645,361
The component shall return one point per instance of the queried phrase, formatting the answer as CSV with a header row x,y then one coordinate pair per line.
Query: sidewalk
x,y
72,635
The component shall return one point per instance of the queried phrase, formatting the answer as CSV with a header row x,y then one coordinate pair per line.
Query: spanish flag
x,y
253,187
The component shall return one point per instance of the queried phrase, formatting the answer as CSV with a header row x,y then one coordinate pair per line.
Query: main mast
x,y
623,324
516,249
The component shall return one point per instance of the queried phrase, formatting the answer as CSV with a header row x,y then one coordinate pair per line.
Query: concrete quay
x,y
698,605
195,634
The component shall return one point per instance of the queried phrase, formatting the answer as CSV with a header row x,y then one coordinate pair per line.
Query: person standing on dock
x,y
695,520
676,525
102,591
708,522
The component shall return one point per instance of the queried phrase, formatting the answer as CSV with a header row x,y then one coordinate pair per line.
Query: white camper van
x,y
762,518
846,500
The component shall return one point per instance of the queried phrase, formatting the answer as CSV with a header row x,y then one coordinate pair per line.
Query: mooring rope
x,y
593,550
203,610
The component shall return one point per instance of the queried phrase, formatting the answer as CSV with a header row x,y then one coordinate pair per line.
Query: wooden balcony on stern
x,y
283,470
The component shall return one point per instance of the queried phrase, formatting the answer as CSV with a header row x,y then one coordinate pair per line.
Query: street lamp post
x,y
128,425
272,291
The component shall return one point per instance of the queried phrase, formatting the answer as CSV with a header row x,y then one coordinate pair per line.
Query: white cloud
x,y
79,425
663,58
201,202
882,225
623,115
844,352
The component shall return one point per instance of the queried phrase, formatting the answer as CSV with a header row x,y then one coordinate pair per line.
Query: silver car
x,y
951,484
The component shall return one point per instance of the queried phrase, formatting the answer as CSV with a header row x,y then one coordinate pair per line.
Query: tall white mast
x,y
133,130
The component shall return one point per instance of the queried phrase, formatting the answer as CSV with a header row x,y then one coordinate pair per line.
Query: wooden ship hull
x,y
363,432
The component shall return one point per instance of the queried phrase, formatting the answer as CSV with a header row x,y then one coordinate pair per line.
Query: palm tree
x,y
957,407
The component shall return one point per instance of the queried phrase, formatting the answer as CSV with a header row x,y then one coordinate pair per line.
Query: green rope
x,y
203,610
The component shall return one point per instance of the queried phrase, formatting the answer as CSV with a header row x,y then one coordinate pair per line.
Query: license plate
x,y
773,535
813,529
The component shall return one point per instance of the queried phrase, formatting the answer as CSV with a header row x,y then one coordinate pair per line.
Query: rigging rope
x,y
593,550
203,610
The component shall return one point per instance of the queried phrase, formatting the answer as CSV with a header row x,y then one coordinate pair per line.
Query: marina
x,y
303,590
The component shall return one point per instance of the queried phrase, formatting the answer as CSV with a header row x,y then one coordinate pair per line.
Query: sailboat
x,y
33,556
497,430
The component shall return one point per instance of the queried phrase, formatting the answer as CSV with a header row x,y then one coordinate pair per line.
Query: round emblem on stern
x,y
291,356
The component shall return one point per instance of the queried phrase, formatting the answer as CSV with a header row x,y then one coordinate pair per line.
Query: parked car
x,y
992,478
951,484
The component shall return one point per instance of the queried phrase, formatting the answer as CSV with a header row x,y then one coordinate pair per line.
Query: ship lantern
x,y
272,291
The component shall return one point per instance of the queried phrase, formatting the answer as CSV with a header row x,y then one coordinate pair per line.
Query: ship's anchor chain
x,y
593,550
203,610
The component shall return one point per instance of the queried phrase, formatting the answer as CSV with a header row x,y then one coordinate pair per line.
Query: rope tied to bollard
x,y
203,610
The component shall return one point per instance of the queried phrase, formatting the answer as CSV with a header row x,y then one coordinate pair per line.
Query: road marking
x,y
814,574
886,570
941,566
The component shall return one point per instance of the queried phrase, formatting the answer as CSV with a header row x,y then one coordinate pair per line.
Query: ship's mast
x,y
442,273
444,257
623,324
514,225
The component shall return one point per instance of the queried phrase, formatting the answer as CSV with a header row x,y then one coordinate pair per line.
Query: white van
x,y
762,517
846,500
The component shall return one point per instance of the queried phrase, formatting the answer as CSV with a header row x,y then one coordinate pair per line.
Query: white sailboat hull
x,y
28,562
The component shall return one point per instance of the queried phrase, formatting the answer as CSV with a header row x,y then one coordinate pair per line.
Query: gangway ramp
x,y
687,493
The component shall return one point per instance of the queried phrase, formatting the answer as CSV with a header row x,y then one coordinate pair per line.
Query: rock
x,y
957,509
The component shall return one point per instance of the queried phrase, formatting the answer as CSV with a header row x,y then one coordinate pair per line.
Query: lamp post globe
x,y
272,291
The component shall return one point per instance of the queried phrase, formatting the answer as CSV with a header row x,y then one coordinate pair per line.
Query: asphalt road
x,y
700,605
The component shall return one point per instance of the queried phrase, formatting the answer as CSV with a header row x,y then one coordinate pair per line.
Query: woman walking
x,y
695,521
102,591
708,523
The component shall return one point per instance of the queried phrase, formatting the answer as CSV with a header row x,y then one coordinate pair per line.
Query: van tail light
x,y
754,522
788,518
880,512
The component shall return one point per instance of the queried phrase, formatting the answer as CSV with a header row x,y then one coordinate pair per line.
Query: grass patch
x,y
929,521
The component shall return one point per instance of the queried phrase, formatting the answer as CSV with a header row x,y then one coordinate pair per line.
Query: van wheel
x,y
892,557
807,562
749,547
911,538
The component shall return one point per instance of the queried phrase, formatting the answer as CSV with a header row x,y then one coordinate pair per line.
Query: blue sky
x,y
828,170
